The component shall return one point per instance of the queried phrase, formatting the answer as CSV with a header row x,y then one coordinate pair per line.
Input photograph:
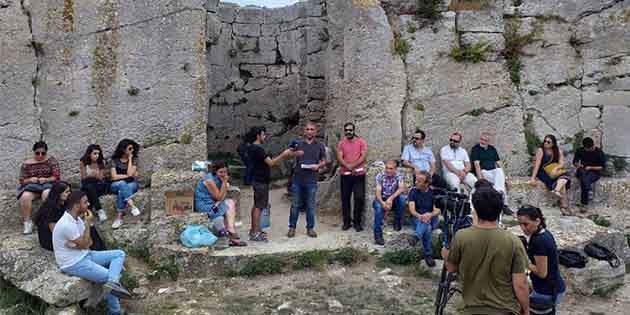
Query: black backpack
x,y
571,258
602,253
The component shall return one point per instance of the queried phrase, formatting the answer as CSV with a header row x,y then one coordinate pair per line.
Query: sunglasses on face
x,y
39,153
348,130
453,140
548,141
417,138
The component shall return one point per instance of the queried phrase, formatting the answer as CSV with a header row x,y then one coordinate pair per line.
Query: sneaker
x,y
507,210
291,233
117,290
590,195
135,211
258,237
28,227
117,223
311,233
429,261
379,240
102,216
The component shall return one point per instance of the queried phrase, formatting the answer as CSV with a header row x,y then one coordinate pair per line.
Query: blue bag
x,y
197,236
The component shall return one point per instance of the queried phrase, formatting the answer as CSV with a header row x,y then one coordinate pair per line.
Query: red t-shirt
x,y
351,150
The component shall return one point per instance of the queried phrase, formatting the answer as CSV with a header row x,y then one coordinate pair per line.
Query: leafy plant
x,y
514,44
261,265
620,164
311,259
429,9
401,46
599,220
19,301
471,53
403,257
531,138
129,281
166,268
411,27
348,256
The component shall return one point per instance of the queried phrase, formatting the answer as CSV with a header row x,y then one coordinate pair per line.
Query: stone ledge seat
x,y
33,270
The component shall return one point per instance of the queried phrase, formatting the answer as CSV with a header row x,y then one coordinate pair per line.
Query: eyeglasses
x,y
417,138
453,140
40,153
309,129
548,141
348,130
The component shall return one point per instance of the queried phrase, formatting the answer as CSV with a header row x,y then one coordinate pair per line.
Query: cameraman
x,y
424,213
491,262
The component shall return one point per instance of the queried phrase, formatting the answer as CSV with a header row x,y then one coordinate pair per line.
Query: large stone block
x,y
494,42
250,15
592,97
555,111
486,21
615,126
590,118
252,30
564,9
606,33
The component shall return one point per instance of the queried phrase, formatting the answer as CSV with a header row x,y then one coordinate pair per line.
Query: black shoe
x,y
117,290
346,226
378,240
414,241
507,210
358,227
429,261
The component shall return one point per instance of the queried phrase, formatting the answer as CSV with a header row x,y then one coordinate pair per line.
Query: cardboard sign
x,y
179,202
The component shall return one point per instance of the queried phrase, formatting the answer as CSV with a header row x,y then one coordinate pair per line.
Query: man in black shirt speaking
x,y
589,161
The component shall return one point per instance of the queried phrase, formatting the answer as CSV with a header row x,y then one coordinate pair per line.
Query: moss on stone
x,y
68,16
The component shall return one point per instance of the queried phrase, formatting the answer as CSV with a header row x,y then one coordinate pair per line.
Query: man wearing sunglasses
x,y
420,157
456,164
351,154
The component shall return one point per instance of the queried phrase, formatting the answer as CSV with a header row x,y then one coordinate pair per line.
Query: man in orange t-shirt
x,y
351,154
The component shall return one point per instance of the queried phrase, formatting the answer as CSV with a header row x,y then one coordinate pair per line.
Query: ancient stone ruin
x,y
187,78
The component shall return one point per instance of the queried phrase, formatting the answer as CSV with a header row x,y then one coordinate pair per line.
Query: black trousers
x,y
94,188
352,185
586,178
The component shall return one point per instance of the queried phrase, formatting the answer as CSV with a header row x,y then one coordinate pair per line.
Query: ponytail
x,y
533,213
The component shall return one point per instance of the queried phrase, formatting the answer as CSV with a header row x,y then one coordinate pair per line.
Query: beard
x,y
452,145
349,135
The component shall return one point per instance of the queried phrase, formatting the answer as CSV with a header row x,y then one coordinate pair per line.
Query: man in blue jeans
x,y
310,158
71,243
389,187
424,213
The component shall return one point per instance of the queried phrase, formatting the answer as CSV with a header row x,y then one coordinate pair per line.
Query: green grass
x,y
514,44
401,46
165,269
311,259
261,265
25,304
471,53
428,9
411,27
403,257
142,253
620,164
129,281
349,256
599,220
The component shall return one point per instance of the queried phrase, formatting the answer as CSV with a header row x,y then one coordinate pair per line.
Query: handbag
x,y
600,252
554,170
197,236
571,258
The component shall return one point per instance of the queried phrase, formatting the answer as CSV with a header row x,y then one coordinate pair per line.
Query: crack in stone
x,y
482,110
37,50
593,12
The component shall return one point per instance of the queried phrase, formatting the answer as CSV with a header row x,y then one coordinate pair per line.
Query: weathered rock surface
x,y
30,268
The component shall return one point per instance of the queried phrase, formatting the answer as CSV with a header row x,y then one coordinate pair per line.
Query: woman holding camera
x,y
124,171
549,169
543,255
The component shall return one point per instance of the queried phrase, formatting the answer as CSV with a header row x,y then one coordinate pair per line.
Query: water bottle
x,y
265,217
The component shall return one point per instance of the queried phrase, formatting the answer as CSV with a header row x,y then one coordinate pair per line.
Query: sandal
x,y
259,237
236,242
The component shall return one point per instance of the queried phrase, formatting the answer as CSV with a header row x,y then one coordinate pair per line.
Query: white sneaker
x,y
135,211
102,216
117,223
28,227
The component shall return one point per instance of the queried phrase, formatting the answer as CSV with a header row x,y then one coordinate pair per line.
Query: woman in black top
x,y
543,255
51,211
93,183
124,170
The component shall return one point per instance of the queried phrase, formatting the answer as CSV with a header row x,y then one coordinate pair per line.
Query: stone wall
x,y
189,77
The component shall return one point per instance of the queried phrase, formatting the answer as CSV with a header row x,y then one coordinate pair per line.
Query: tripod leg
x,y
442,293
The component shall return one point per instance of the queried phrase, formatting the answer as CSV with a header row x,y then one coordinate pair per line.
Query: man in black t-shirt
x,y
589,161
261,170
488,165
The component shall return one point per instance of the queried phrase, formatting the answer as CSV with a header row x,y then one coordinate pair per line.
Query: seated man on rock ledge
x,y
71,243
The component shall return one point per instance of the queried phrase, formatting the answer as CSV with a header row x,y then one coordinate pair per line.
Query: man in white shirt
x,y
456,164
71,243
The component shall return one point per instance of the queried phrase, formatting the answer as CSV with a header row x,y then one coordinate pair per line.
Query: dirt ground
x,y
331,289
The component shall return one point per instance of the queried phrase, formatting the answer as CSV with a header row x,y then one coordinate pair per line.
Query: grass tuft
x,y
165,269
404,257
401,46
599,220
472,53
261,265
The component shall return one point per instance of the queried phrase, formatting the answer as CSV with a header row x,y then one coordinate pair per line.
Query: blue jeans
x,y
93,268
559,297
398,205
303,198
124,190
423,232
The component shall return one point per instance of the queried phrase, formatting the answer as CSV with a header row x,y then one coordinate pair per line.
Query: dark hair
x,y
87,159
217,166
556,151
427,176
122,147
421,132
483,183
349,124
74,199
532,213
253,133
53,204
40,145
588,142
488,203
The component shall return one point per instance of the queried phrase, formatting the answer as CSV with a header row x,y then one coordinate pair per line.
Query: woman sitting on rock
x,y
543,255
549,169
37,176
51,211
210,198
93,183
124,170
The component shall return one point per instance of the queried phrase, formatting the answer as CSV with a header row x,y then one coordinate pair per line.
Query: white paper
x,y
309,166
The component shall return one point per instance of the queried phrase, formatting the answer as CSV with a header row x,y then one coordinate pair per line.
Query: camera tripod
x,y
455,210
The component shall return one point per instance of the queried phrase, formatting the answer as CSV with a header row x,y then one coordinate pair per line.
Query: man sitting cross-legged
x,y
71,243
389,186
